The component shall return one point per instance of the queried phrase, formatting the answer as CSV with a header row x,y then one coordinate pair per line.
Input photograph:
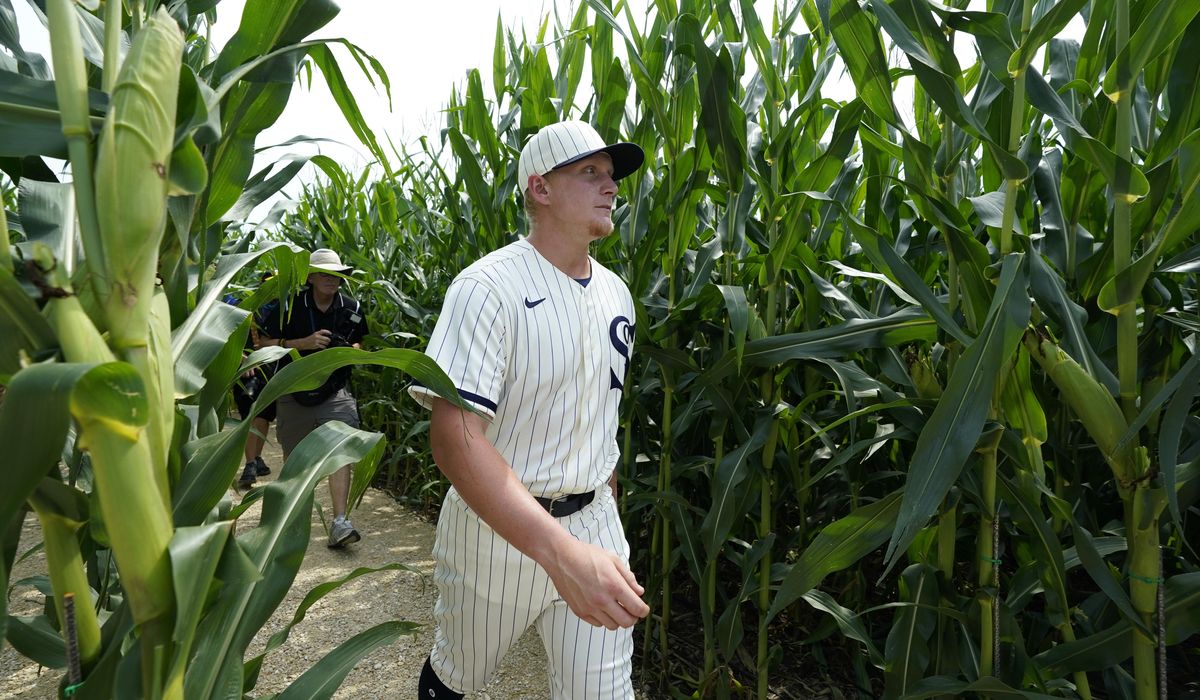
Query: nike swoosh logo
x,y
531,304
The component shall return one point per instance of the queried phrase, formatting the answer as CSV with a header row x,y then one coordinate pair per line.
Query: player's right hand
x,y
598,586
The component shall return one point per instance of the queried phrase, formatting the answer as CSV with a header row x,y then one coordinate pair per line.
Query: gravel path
x,y
391,533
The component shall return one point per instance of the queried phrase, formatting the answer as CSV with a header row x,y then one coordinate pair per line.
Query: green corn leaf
x,y
939,686
906,653
1050,292
195,553
276,548
1023,503
847,621
211,462
263,185
1046,28
30,123
311,598
39,395
1181,95
1158,31
198,340
1092,558
1021,405
267,26
1114,645
34,638
953,429
861,48
943,89
1171,430
730,474
839,545
904,326
738,308
22,328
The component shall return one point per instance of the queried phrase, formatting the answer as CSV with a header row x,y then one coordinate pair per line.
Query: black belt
x,y
563,506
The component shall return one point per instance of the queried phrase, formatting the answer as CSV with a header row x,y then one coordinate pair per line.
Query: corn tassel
x,y
67,575
131,176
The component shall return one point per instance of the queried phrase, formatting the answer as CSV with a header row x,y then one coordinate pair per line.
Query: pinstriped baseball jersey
x,y
544,357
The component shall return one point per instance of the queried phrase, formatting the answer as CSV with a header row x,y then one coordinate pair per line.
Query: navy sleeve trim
x,y
469,396
476,398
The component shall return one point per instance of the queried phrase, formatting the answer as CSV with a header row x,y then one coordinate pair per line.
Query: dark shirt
x,y
301,317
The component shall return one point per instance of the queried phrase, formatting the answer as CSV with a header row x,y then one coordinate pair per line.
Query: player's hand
x,y
317,341
598,586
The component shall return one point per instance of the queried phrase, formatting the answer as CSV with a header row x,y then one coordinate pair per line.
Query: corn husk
x,y
131,175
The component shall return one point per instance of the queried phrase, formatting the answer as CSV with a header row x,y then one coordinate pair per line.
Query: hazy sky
x,y
426,47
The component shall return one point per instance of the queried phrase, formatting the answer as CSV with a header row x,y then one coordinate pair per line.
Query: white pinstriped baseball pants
x,y
489,593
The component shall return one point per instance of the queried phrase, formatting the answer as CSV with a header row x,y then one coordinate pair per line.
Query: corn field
x,y
913,405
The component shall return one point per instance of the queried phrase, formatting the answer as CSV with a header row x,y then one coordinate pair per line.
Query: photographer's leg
x,y
339,490
254,443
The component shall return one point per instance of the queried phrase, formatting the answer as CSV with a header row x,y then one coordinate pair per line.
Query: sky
x,y
426,46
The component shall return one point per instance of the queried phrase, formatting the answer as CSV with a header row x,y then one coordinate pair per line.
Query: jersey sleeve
x,y
468,343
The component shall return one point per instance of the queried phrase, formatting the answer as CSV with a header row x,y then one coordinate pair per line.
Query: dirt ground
x,y
390,534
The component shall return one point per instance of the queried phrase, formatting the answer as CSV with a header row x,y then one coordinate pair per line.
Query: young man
x,y
317,318
537,337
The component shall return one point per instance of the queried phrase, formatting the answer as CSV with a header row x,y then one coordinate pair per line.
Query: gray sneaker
x,y
342,533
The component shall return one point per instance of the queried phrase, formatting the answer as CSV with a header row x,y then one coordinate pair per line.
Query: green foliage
x,y
116,349
831,298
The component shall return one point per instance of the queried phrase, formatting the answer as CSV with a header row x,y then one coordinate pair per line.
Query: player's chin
x,y
600,228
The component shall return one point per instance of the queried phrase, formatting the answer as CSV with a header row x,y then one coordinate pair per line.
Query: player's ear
x,y
539,188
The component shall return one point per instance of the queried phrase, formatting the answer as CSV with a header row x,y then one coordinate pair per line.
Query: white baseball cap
x,y
564,143
327,260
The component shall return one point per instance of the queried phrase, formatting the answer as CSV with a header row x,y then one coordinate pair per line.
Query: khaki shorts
x,y
293,421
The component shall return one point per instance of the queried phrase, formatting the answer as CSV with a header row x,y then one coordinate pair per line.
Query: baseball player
x,y
537,337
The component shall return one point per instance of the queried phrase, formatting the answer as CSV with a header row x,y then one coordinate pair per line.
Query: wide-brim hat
x,y
566,142
326,260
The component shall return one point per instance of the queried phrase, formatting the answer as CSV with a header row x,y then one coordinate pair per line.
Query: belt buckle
x,y
561,498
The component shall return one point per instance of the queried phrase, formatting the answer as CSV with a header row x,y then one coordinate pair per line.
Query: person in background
x,y
245,391
320,317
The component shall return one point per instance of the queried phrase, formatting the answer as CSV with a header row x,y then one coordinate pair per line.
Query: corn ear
x,y
924,379
131,175
67,575
1093,405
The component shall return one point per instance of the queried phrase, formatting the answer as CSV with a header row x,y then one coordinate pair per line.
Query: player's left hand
x,y
598,586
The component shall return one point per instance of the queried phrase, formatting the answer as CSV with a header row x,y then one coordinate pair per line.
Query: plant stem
x,y
112,44
988,571
1144,581
1121,235
5,256
70,86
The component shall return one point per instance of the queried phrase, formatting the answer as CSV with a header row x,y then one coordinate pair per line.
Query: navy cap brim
x,y
626,158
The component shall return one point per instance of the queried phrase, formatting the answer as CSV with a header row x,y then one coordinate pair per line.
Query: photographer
x,y
320,317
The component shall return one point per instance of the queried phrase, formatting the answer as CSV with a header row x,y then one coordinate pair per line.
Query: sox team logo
x,y
620,332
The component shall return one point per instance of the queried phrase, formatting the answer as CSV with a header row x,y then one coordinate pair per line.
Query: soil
x,y
391,533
